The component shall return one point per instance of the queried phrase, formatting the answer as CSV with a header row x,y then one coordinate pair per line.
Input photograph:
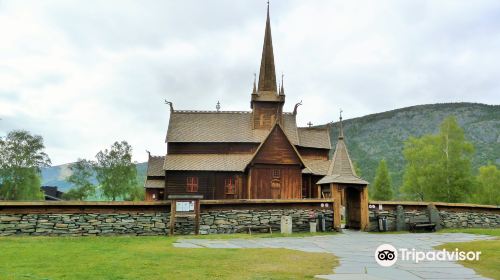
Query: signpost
x,y
185,206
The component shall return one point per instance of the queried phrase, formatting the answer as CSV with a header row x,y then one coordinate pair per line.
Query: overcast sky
x,y
84,74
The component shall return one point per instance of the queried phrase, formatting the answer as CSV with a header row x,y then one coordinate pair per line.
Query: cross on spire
x,y
341,130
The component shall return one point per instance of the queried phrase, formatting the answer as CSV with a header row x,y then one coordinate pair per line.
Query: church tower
x,y
267,102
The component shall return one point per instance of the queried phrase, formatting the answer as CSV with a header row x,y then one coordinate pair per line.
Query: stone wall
x,y
447,215
84,224
230,221
467,219
52,219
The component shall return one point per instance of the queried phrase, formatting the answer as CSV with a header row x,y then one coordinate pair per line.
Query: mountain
x,y
382,135
56,175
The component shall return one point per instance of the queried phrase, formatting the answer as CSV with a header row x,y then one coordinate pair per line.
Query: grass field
x,y
489,263
149,258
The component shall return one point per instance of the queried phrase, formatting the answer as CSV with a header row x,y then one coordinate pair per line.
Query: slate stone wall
x,y
84,224
448,218
154,223
230,221
467,219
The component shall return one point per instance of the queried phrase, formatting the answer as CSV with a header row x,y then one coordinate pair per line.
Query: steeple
x,y
267,101
267,75
341,169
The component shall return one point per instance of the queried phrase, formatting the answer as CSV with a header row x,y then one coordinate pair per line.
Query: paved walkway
x,y
356,250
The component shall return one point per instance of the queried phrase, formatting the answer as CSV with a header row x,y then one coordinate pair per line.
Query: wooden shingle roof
x,y
316,166
155,166
207,162
314,137
154,184
341,169
236,127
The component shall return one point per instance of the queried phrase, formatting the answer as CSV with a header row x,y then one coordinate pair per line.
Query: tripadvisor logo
x,y
387,255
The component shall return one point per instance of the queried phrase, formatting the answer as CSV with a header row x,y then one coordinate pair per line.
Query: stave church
x,y
255,154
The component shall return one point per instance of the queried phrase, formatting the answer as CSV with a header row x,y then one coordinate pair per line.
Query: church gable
x,y
276,149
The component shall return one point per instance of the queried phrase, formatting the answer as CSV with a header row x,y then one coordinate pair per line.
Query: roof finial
x,y
254,84
296,106
217,106
309,124
341,131
282,90
170,104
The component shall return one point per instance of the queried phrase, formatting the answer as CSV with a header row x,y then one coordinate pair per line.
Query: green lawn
x,y
489,263
484,231
149,258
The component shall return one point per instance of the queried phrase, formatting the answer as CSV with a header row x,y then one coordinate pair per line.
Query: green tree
x,y
136,194
487,189
21,160
357,169
438,167
115,171
382,188
81,175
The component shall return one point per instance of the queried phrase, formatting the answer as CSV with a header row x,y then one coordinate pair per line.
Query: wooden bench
x,y
421,223
254,228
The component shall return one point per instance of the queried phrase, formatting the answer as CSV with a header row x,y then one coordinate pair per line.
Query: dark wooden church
x,y
257,154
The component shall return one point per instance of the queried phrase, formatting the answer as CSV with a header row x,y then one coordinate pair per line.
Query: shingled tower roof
x,y
267,75
341,169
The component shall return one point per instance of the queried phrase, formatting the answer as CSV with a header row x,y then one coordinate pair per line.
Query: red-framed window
x,y
276,173
229,186
192,184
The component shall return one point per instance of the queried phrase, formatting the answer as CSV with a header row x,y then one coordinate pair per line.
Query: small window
x,y
192,184
229,186
276,173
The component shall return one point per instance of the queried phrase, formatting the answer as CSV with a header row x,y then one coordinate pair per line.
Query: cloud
x,y
85,74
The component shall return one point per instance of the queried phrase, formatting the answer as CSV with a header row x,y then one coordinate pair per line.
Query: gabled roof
x,y
314,137
277,125
341,169
155,166
236,127
222,127
316,166
207,162
154,184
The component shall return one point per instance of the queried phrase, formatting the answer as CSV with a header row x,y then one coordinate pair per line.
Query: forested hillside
x,y
382,135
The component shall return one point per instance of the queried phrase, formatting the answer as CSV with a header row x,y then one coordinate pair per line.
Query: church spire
x,y
267,75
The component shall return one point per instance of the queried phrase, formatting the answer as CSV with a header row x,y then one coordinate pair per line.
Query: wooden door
x,y
276,188
353,211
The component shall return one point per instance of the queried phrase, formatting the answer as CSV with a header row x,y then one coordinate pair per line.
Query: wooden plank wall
x,y
313,153
210,184
290,182
265,113
277,150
